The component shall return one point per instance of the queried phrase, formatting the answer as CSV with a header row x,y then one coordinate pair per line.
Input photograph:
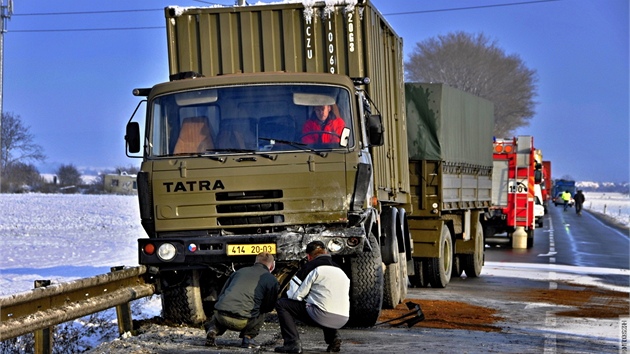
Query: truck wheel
x,y
439,268
488,231
418,280
404,230
457,267
366,287
389,241
391,285
473,263
181,298
405,254
402,261
530,238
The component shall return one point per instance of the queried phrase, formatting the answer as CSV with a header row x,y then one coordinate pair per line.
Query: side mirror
x,y
537,176
345,137
375,130
132,137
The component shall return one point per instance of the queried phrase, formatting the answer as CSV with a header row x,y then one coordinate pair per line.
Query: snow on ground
x,y
614,205
66,237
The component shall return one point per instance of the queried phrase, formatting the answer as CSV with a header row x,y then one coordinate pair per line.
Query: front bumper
x,y
211,249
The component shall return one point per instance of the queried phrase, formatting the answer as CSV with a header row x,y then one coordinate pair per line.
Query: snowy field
x,y
66,237
614,205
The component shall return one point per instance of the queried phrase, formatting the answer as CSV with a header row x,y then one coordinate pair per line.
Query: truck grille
x,y
252,202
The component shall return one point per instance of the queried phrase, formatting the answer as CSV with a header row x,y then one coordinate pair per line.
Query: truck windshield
x,y
249,119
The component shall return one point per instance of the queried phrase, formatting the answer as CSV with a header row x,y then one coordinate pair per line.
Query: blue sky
x,y
73,88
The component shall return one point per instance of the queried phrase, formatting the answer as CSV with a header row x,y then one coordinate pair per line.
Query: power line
x,y
468,8
89,29
162,27
85,12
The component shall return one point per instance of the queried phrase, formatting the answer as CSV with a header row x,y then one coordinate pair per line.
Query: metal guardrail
x,y
41,308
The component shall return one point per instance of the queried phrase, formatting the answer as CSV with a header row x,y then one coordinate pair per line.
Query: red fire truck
x,y
514,174
547,181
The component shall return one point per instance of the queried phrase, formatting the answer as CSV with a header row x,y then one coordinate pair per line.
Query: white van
x,y
539,208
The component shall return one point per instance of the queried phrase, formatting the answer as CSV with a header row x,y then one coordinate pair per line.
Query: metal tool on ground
x,y
416,316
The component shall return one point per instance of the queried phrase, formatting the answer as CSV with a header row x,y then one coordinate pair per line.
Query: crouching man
x,y
247,295
318,295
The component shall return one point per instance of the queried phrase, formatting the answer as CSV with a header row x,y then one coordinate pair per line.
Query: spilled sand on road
x,y
580,301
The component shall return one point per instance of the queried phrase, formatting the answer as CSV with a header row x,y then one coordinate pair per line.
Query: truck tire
x,y
392,286
488,231
366,287
419,279
439,268
181,298
389,241
405,234
473,263
406,253
457,269
402,261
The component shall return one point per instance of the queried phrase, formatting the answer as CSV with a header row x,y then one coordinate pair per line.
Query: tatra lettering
x,y
218,185
192,186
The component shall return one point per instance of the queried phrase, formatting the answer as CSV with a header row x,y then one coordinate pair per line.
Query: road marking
x,y
550,345
550,338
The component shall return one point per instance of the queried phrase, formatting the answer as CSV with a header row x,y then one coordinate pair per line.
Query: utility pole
x,y
5,14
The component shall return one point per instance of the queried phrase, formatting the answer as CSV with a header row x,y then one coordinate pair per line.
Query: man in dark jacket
x,y
579,201
247,295
319,295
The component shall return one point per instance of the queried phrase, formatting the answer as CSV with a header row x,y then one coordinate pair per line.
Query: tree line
x,y
18,173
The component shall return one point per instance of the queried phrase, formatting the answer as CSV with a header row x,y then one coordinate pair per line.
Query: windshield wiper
x,y
296,145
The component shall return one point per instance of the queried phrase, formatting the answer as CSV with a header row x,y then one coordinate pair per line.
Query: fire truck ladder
x,y
521,193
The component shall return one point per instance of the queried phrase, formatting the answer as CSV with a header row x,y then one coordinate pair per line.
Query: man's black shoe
x,y
335,346
249,343
211,338
295,347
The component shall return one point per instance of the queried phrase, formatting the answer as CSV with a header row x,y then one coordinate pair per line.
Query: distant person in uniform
x,y
566,197
247,295
579,201
323,127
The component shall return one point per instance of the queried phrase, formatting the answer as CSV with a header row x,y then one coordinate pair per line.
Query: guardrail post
x,y
43,337
123,313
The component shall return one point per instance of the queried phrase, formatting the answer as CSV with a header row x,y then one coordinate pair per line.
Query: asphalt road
x,y
538,296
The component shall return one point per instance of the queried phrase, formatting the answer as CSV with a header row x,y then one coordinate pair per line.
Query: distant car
x,y
558,200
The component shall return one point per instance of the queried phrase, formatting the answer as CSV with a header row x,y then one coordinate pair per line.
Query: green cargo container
x,y
450,165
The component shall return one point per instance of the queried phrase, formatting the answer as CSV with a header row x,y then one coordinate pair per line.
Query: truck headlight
x,y
166,252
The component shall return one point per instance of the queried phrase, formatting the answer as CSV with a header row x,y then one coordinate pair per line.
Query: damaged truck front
x,y
229,171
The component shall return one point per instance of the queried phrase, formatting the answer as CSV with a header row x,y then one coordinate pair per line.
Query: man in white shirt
x,y
319,295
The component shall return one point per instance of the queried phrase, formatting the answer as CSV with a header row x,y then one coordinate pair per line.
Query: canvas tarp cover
x,y
447,124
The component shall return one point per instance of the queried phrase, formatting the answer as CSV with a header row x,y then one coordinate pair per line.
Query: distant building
x,y
122,183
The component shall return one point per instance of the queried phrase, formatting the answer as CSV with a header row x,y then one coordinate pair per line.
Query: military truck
x,y
228,170
450,167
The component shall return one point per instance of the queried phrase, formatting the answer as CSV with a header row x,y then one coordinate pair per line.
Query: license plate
x,y
253,249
